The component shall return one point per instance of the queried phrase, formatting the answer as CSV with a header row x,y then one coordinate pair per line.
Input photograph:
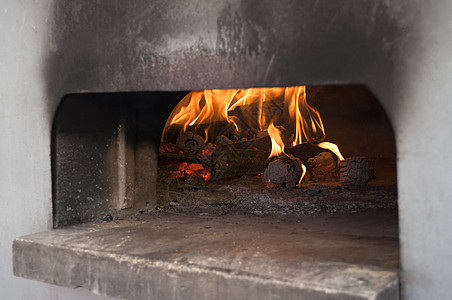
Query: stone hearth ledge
x,y
192,257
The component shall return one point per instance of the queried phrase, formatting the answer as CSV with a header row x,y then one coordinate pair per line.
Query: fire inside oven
x,y
283,151
277,151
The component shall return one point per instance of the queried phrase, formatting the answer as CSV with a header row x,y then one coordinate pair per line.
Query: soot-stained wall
x,y
400,50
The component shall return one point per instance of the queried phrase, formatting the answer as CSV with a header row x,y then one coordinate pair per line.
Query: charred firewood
x,y
262,143
354,172
221,141
248,134
190,143
305,151
229,163
323,166
204,160
210,148
168,148
226,129
174,157
249,114
212,129
283,171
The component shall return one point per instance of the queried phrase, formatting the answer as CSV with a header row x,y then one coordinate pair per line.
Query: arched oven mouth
x,y
279,151
286,188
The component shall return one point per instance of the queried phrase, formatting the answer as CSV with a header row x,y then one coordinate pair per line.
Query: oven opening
x,y
296,185
289,152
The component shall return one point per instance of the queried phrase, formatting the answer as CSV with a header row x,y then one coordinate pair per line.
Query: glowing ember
x,y
185,170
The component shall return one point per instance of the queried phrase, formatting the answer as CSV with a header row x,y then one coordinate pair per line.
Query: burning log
x,y
213,129
205,115
305,151
285,170
190,143
168,148
251,115
262,143
323,166
247,134
229,163
174,157
204,159
354,172
226,129
221,141
209,148
185,170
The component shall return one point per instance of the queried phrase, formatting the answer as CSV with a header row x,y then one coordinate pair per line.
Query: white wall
x,y
25,197
424,140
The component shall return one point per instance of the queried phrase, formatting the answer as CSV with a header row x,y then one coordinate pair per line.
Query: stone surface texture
x,y
167,256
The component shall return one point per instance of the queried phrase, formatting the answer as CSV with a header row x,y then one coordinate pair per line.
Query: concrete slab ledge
x,y
149,260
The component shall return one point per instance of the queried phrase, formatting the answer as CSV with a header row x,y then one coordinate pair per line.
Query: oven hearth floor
x,y
165,255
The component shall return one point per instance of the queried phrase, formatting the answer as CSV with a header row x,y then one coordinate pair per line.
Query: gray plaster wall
x,y
26,120
425,201
400,49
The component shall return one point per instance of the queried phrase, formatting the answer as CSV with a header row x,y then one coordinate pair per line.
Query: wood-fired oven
x,y
138,214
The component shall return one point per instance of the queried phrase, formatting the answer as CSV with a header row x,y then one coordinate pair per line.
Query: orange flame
x,y
308,123
203,107
332,147
277,142
303,167
208,106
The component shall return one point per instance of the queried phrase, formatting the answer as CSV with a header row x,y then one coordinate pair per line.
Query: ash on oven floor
x,y
248,195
